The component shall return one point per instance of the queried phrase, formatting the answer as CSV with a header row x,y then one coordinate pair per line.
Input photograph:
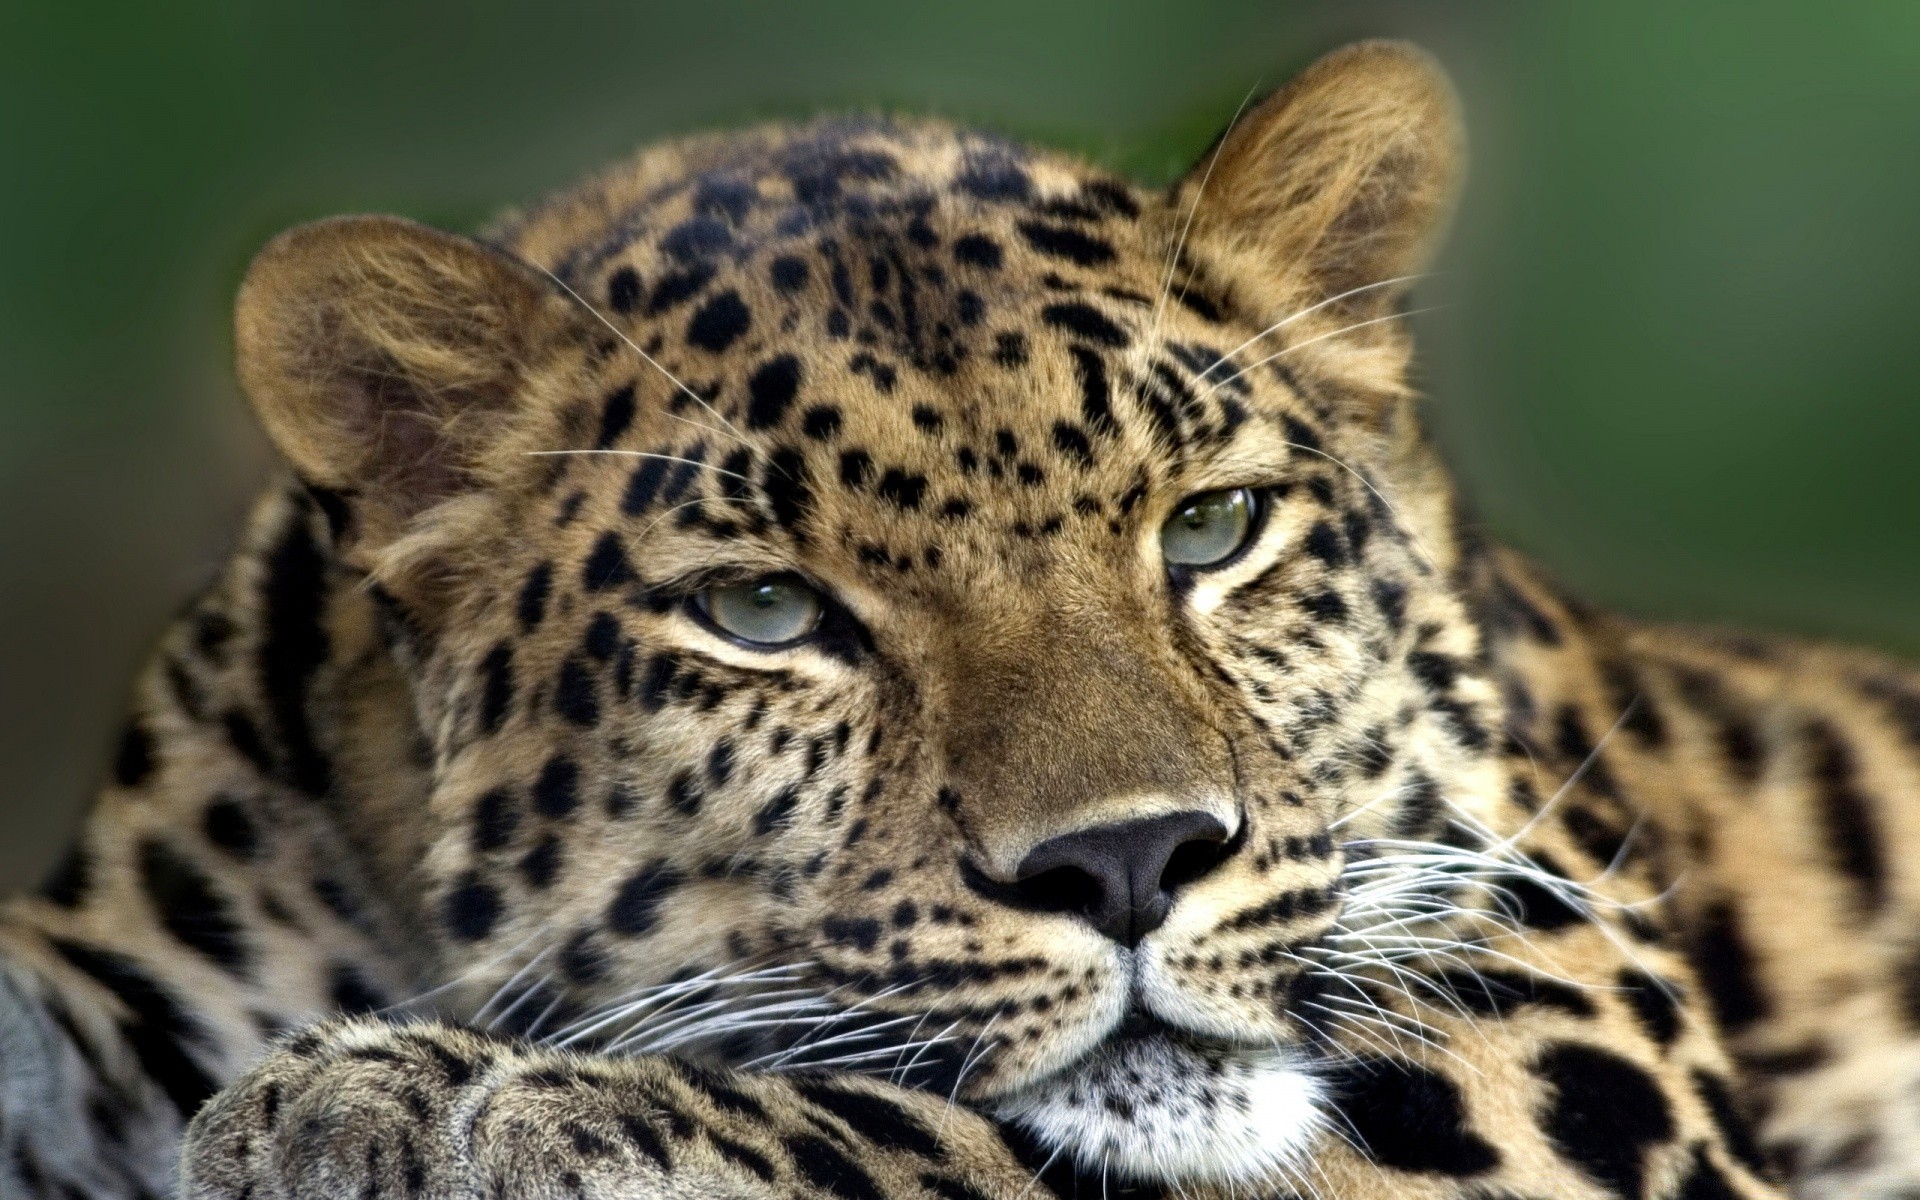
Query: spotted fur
x,y
448,852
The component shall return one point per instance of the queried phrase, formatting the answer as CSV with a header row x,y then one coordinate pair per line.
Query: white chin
x,y
1159,1110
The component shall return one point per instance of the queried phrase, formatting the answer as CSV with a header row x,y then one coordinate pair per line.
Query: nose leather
x,y
1115,876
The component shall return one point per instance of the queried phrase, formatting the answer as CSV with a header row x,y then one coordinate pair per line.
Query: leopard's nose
x,y
1121,878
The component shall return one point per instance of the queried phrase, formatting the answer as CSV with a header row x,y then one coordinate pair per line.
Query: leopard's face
x,y
934,624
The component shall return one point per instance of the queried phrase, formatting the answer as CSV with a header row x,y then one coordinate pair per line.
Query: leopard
x,y
860,658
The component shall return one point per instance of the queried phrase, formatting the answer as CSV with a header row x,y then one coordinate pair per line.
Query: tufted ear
x,y
1342,178
385,358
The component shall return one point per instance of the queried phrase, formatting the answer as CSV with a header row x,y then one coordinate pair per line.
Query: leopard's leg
x,y
361,1108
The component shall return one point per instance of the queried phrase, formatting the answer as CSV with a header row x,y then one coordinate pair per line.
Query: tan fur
x,y
1525,901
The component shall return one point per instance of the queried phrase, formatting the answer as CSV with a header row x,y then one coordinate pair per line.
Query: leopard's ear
x,y
385,359
1342,179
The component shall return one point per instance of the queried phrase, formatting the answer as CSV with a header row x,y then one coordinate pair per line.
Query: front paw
x,y
359,1109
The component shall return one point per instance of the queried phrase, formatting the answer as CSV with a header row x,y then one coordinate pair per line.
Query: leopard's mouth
x,y
1155,1103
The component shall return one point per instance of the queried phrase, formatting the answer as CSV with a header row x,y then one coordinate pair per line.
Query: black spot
x,y
495,820
771,390
1605,1114
1084,320
1324,605
496,687
1420,806
1072,442
788,273
294,595
947,1188
1324,544
1718,948
1061,241
1847,815
575,696
643,1138
1734,1128
884,377
927,420
1096,408
556,793
615,416
978,250
158,1030
697,238
133,759
190,908
644,485
541,864
602,639
820,422
1010,348
677,288
532,606
636,906
1300,433
1704,1181
877,1120
1576,745
751,1159
471,908
1391,599
350,991
719,1089
1537,906
855,467
1733,729
1655,1001
623,290
775,811
824,1166
720,762
994,178
683,794
1409,1118
607,566
862,933
719,322
683,474
721,197
228,826
1112,197
336,899
786,486
902,489
582,960
1496,993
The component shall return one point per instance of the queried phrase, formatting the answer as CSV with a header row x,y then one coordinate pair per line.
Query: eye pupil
x,y
1209,529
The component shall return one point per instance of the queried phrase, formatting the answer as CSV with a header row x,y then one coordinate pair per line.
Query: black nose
x,y
1122,877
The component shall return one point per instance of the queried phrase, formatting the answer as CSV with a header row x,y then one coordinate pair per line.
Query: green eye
x,y
1208,529
766,612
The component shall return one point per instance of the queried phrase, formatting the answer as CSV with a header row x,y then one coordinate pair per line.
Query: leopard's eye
x,y
1208,529
763,613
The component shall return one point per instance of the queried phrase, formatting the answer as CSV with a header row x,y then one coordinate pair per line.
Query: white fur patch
x,y
1162,1110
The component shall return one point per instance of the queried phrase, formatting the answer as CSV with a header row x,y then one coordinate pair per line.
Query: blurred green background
x,y
1675,360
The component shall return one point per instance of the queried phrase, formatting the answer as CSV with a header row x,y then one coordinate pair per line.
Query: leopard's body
x,y
1519,900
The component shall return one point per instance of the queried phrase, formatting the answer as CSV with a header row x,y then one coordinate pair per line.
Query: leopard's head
x,y
883,597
